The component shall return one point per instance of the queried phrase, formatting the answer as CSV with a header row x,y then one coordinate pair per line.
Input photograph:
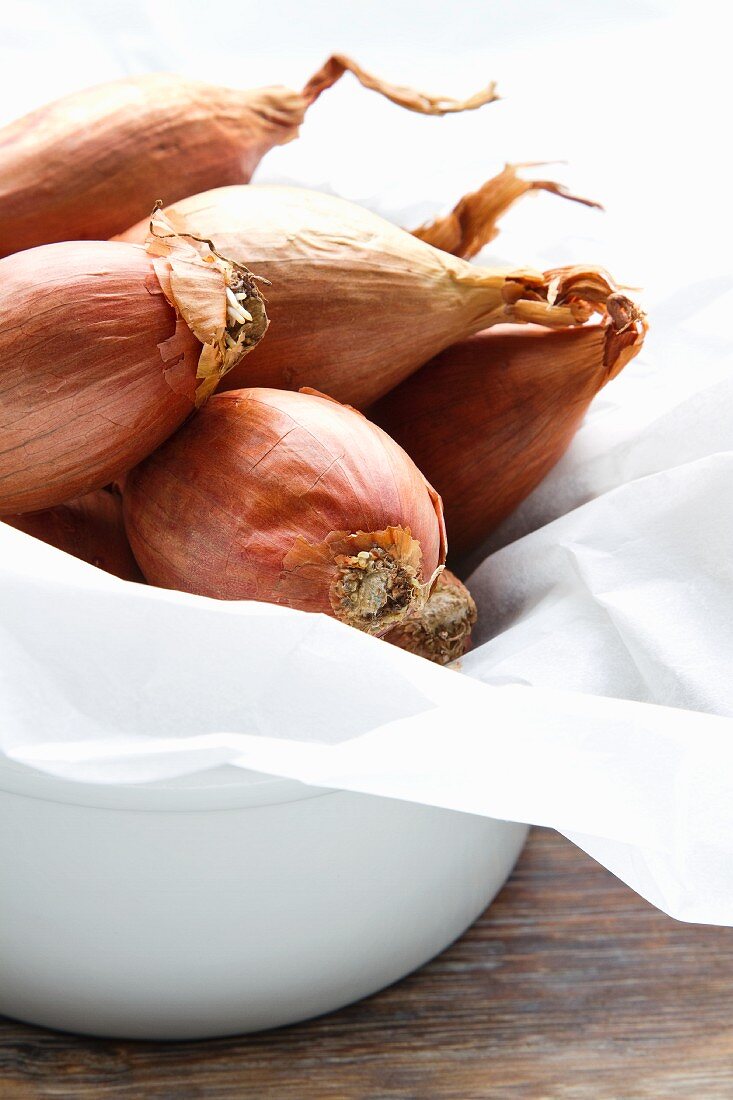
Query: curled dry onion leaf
x,y
359,304
155,135
101,358
290,498
441,632
473,221
89,528
400,94
489,417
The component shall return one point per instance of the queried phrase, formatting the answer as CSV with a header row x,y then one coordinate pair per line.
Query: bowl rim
x,y
226,787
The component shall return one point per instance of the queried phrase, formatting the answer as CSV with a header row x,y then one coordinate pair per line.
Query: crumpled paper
x,y
599,696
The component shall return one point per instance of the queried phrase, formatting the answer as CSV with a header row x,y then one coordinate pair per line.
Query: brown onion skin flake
x,y
287,498
90,528
92,163
95,371
488,418
358,304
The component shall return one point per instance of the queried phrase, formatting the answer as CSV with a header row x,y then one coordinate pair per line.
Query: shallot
x,y
290,498
358,304
91,528
488,418
105,349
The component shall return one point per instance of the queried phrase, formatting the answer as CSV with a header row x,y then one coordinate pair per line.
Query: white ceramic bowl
x,y
225,904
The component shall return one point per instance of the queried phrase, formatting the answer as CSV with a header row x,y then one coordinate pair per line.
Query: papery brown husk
x,y
90,164
97,367
441,632
90,528
473,221
358,304
290,498
488,418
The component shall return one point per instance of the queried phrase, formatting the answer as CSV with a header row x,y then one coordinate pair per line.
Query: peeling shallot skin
x,y
95,369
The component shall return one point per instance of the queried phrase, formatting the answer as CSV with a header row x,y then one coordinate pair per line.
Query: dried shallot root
x,y
293,499
105,349
473,221
90,164
441,632
358,304
89,528
488,418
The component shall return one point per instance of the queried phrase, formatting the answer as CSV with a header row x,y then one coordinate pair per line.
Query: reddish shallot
x,y
289,498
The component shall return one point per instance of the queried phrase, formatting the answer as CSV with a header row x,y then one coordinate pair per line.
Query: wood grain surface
x,y
569,986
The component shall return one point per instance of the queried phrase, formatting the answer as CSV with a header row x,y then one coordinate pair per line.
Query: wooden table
x,y
569,986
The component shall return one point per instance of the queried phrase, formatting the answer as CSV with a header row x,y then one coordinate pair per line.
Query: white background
x,y
633,94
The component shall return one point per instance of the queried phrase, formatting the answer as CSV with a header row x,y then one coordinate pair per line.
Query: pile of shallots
x,y
244,394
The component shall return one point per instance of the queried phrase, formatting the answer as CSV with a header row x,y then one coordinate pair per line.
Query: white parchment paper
x,y
599,696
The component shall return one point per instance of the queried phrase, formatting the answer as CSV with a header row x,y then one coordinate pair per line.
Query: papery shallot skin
x,y
95,369
264,493
90,164
90,528
358,304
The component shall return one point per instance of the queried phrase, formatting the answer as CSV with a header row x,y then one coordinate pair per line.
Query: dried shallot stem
x,y
421,102
473,221
559,298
